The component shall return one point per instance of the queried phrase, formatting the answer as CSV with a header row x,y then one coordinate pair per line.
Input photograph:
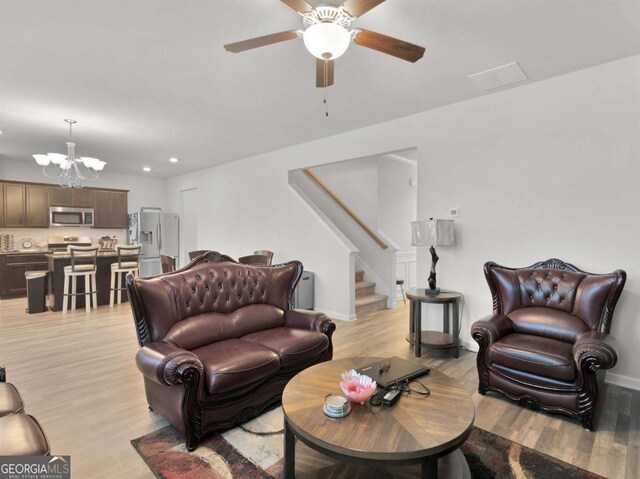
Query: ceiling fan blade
x,y
357,8
389,45
299,6
324,73
261,41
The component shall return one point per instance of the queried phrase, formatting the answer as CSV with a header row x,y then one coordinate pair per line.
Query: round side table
x,y
449,337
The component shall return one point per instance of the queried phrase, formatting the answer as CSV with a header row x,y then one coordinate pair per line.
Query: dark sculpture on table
x,y
432,275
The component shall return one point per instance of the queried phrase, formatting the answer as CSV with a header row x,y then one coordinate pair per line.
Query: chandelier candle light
x,y
432,233
72,171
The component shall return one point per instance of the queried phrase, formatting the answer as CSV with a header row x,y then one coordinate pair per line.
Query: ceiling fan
x,y
327,35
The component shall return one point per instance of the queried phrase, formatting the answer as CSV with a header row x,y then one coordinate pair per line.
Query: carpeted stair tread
x,y
365,288
373,298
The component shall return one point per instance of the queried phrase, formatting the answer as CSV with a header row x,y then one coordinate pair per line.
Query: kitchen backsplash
x,y
40,235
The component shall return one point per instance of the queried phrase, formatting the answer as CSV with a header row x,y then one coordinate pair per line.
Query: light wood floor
x,y
76,374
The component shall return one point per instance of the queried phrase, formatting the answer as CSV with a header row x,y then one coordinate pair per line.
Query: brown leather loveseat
x,y
220,341
548,340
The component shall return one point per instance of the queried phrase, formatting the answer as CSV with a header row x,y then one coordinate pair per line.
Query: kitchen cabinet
x,y
119,211
74,197
13,268
110,209
27,204
82,197
1,205
37,206
15,205
59,196
102,209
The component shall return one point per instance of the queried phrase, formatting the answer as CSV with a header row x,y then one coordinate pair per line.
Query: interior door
x,y
169,234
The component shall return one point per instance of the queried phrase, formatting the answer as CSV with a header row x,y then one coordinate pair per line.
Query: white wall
x,y
143,190
248,205
355,182
397,200
545,169
550,169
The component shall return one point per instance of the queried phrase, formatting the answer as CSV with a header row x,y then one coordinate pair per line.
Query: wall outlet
x,y
454,212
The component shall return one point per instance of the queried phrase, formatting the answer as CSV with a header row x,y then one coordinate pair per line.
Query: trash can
x,y
303,295
36,291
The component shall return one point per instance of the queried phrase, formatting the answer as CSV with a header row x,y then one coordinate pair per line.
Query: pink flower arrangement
x,y
357,387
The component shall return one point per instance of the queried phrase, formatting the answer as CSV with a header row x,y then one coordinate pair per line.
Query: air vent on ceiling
x,y
499,77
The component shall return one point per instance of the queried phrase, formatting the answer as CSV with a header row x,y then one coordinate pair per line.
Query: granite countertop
x,y
101,254
34,251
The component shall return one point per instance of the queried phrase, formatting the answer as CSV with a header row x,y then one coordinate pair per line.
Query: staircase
x,y
367,301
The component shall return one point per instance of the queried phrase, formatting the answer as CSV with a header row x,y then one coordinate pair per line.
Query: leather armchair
x,y
220,340
547,343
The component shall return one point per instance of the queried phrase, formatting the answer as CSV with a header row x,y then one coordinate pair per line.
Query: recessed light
x,y
146,168
173,160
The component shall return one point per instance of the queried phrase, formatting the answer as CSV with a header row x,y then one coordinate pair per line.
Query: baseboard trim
x,y
338,316
470,346
622,380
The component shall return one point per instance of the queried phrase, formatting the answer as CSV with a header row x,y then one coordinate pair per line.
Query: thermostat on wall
x,y
453,212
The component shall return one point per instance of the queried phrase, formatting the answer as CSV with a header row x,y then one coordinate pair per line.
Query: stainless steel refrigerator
x,y
158,234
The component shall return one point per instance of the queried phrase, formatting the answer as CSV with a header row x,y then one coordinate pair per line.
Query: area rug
x,y
255,451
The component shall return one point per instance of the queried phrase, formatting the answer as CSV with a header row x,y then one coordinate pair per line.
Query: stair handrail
x,y
345,208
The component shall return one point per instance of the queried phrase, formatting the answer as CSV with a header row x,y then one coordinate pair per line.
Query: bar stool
x,y
400,282
168,263
83,263
265,252
128,262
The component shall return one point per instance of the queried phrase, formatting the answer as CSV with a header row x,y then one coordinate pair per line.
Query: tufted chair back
x,y
575,294
204,302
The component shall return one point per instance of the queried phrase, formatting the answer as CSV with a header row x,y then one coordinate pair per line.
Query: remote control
x,y
391,397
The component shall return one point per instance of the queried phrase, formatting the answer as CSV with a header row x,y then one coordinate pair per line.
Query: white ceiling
x,y
149,79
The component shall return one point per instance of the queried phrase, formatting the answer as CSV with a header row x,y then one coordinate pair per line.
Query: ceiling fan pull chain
x,y
326,102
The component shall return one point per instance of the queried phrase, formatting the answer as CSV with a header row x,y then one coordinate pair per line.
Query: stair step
x,y
371,304
359,276
365,288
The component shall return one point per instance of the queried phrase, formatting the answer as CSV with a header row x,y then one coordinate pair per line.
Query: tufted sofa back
x,y
211,301
561,287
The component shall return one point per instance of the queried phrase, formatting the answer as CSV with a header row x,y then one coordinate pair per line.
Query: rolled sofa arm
x,y
596,348
165,363
310,320
491,328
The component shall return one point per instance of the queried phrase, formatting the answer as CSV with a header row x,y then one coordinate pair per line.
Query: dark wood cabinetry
x,y
119,213
1,205
37,206
27,204
12,270
101,209
59,196
77,198
110,209
14,205
83,197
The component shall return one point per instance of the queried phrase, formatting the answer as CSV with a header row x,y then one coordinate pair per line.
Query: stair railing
x,y
345,208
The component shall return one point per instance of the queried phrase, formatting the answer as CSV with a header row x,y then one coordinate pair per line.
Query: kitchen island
x,y
56,264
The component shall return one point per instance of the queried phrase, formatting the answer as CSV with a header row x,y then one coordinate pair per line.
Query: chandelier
x,y
72,171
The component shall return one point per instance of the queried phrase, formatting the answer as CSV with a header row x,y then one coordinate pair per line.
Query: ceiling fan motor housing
x,y
326,34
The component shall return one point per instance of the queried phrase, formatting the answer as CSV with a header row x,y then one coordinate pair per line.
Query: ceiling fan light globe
x,y
326,41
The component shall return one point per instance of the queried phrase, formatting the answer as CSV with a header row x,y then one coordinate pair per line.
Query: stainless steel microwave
x,y
64,216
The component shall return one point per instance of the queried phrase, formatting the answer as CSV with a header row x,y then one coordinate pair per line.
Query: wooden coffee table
x,y
416,430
